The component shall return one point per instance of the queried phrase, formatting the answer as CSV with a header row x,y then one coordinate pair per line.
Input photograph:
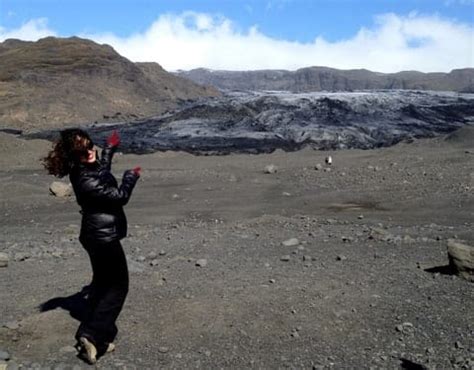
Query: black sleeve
x,y
106,156
92,188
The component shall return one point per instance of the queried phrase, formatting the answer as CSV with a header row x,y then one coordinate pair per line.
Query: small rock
x,y
21,256
328,160
68,349
272,281
295,334
318,167
285,258
12,325
135,267
61,189
4,260
341,258
4,355
162,253
291,242
271,168
154,262
152,255
461,259
202,262
458,360
163,349
458,345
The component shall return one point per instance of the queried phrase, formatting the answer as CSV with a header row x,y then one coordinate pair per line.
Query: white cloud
x,y
393,43
29,31
190,40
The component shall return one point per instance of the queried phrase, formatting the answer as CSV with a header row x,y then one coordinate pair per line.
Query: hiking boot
x,y
90,352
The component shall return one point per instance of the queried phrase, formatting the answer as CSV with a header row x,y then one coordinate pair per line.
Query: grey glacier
x,y
258,122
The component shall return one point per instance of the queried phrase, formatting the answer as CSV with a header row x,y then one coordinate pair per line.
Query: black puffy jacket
x,y
101,199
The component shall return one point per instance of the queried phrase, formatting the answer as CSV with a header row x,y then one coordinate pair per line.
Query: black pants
x,y
109,289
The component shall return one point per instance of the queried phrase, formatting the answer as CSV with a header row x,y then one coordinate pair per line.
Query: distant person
x,y
103,226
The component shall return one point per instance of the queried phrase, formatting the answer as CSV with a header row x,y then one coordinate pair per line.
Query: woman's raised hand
x,y
137,170
114,139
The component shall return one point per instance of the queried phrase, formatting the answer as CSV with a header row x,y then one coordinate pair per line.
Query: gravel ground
x,y
312,266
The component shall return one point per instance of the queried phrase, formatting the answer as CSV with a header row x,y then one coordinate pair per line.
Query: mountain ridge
x,y
312,79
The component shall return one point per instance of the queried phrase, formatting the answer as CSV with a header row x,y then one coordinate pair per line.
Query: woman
x,y
103,226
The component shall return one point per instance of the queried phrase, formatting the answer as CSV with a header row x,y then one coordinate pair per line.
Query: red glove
x,y
114,139
137,170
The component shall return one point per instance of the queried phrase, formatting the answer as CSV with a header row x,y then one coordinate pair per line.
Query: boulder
x,y
461,259
3,260
271,168
61,189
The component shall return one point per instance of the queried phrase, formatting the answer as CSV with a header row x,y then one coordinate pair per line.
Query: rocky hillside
x,y
329,79
55,82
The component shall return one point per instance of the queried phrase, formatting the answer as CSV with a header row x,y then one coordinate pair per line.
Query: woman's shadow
x,y
76,304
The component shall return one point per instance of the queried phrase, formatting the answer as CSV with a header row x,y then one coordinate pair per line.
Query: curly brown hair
x,y
68,150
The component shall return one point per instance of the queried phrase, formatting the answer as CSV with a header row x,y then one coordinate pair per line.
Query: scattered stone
x,y
202,262
12,325
272,281
21,256
163,349
328,160
405,327
61,189
341,258
162,253
318,167
4,260
68,349
152,255
377,233
291,242
295,334
141,258
135,267
154,262
271,168
4,355
458,345
285,258
461,259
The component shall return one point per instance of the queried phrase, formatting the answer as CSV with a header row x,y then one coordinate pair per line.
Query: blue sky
x,y
383,35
